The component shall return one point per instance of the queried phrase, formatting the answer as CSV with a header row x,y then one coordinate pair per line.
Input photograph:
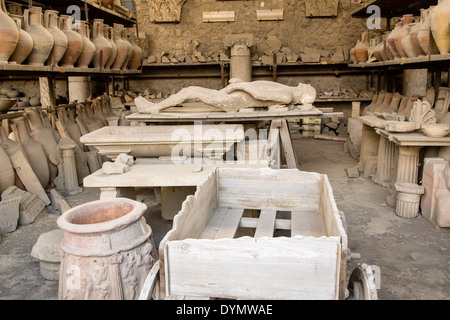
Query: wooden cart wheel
x,y
361,284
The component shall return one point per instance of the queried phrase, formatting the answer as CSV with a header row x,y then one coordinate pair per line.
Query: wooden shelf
x,y
440,61
328,100
390,8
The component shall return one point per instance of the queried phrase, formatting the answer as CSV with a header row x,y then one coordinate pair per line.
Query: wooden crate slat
x,y
266,223
214,223
230,223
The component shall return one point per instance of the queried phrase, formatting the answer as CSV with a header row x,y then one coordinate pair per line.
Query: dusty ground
x,y
413,255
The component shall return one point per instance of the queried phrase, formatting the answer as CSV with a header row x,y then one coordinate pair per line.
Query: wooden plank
x,y
214,223
266,223
288,148
230,223
307,223
280,224
249,268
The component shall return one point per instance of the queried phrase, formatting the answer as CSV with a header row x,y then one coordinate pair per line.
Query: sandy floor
x,y
413,255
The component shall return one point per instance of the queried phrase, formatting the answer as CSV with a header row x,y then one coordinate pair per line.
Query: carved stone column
x,y
240,61
408,164
385,163
70,170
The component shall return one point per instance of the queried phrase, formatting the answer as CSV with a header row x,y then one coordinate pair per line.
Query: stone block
x,y
30,206
353,172
9,215
48,251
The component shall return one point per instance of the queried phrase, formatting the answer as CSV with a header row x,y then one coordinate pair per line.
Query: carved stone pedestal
x,y
107,250
240,61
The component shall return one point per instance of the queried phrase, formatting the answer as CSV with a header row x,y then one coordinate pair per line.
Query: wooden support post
x,y
222,74
86,9
274,72
288,148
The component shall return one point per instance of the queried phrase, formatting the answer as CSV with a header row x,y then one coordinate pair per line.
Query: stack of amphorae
x,y
36,37
410,38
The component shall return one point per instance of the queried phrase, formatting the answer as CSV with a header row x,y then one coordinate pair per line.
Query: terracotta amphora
x,y
108,32
107,250
9,34
11,147
103,48
424,36
106,3
136,59
401,33
88,53
90,114
414,32
34,150
439,24
71,127
407,43
59,48
130,51
75,41
24,44
352,53
7,175
42,39
44,136
122,47
391,40
361,48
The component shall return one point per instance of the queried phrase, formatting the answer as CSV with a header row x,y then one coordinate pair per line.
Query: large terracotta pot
x,y
108,32
61,42
136,59
106,3
44,136
103,47
122,47
107,250
439,24
7,175
9,34
424,36
24,44
401,33
34,150
42,39
391,40
11,147
88,53
75,42
361,48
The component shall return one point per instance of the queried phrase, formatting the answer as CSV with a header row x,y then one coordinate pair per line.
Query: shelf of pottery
x,y
40,159
414,42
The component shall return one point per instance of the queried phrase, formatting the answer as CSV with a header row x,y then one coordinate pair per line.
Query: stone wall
x,y
295,31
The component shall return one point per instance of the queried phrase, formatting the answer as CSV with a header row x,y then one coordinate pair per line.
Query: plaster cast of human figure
x,y
238,95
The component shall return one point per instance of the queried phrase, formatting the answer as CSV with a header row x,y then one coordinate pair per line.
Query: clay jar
x,y
9,34
24,44
122,47
401,33
42,39
11,147
130,51
391,40
407,44
60,46
107,250
414,31
44,135
361,48
7,176
108,33
439,24
88,53
75,42
136,59
353,53
34,150
103,48
424,36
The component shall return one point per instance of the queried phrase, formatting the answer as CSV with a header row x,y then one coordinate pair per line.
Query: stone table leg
x,y
116,192
385,162
370,141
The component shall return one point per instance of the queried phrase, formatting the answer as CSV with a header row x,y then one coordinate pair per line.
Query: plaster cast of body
x,y
238,95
